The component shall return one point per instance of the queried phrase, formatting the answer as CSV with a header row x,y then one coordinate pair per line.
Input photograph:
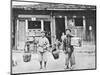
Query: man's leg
x,y
45,59
41,60
45,64
66,61
40,64
70,60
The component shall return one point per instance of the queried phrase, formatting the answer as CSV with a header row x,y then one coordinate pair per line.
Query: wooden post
x,y
54,25
12,33
26,30
26,21
75,29
53,30
16,33
42,25
84,28
66,25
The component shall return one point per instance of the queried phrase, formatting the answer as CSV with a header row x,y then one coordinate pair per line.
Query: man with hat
x,y
43,45
68,49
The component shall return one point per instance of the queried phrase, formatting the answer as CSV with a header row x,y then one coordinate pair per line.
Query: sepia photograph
x,y
52,37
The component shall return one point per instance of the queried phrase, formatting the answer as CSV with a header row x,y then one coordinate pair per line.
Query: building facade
x,y
29,20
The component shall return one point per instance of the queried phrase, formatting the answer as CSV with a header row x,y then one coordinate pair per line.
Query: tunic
x,y
43,44
67,47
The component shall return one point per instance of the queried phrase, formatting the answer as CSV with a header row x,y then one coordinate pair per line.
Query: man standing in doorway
x,y
43,45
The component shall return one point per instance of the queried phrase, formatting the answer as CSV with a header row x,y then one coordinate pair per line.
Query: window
x,y
78,21
34,24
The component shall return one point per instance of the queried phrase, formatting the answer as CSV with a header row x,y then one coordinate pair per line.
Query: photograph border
x,y
49,71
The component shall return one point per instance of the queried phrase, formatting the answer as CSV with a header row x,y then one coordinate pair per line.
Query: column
x,y
26,23
75,28
54,26
66,25
53,30
12,33
26,26
26,30
84,28
42,25
16,33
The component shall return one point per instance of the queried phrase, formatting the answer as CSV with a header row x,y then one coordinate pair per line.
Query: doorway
x,y
47,29
60,27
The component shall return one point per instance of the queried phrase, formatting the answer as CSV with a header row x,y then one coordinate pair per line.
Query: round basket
x,y
27,57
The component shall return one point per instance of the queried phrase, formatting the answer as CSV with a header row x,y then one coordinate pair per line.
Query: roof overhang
x,y
50,6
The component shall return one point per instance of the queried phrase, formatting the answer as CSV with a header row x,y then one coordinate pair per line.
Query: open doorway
x,y
79,21
60,27
79,27
48,30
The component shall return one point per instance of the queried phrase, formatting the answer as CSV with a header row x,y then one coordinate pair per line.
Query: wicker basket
x,y
27,57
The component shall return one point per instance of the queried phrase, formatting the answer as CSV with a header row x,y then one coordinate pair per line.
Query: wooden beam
x,y
32,16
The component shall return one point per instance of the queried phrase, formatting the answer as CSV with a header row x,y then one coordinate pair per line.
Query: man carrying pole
x,y
43,45
68,49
